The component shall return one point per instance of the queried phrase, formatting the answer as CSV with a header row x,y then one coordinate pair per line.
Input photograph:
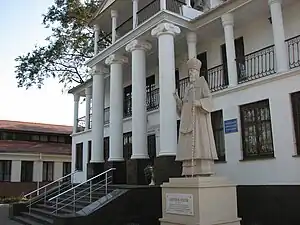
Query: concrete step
x,y
37,218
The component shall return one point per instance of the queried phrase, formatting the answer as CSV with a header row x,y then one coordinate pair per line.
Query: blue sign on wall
x,y
231,126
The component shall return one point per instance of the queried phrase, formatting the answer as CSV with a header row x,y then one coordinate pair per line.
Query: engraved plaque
x,y
181,204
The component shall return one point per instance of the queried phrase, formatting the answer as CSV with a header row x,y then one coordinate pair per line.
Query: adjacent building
x,y
250,54
32,154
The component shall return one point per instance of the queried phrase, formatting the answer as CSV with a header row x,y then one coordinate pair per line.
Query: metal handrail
x,y
84,182
53,182
73,189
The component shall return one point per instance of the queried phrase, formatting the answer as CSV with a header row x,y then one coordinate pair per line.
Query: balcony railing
x,y
81,124
257,64
175,5
217,78
106,115
152,101
150,9
293,45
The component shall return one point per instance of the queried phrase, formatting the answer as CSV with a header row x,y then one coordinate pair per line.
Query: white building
x,y
250,51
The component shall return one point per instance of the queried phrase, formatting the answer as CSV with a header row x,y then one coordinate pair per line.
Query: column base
x,y
166,167
119,174
135,171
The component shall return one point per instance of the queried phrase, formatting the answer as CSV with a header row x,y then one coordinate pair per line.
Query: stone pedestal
x,y
199,201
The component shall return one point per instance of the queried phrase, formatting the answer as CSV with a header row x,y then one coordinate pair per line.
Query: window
x,y
5,170
127,111
106,148
7,136
256,130
66,168
295,97
44,138
35,137
127,145
22,137
79,157
217,126
61,139
89,151
26,171
48,170
53,138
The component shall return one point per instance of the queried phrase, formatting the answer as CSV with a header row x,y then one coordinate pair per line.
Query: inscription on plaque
x,y
181,204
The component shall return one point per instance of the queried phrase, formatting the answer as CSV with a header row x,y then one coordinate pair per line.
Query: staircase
x,y
67,200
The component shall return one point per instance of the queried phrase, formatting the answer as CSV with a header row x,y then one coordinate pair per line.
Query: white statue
x,y
196,144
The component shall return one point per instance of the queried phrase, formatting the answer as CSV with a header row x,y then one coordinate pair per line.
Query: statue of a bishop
x,y
196,144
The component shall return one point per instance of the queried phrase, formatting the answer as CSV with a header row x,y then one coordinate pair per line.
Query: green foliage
x,y
70,44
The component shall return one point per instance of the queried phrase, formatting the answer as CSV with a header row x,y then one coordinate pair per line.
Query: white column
x,y
114,16
38,171
279,36
135,9
228,22
191,38
88,97
116,107
139,111
188,3
96,38
168,116
97,153
76,105
163,4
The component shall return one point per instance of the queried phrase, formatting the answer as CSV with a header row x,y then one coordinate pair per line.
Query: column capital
x,y
76,97
227,19
88,91
100,70
138,45
114,13
135,0
116,59
165,28
270,2
191,37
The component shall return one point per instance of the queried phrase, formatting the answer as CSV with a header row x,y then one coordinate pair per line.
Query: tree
x,y
70,44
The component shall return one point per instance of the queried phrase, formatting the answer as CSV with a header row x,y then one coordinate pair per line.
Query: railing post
x,y
90,191
106,184
56,205
74,201
45,196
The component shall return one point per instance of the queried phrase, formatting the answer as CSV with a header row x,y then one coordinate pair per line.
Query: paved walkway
x,y
4,220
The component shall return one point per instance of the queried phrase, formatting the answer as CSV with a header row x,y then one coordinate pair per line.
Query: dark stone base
x,y
119,175
166,167
135,171
94,169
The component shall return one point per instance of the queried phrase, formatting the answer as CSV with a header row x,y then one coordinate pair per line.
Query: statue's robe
x,y
205,149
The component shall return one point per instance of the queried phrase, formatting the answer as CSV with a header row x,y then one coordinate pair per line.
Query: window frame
x,y
5,176
259,133
48,171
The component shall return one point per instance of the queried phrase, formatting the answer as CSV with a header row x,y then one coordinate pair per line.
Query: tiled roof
x,y
34,147
35,127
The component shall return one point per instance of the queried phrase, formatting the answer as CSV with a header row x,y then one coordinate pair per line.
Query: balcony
x,y
293,45
145,12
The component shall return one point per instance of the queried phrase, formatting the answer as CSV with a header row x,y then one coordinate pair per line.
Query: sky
x,y
20,30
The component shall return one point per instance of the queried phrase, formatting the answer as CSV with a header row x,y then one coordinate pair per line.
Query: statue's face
x,y
193,73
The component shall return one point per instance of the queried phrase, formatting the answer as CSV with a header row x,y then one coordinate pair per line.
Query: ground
x,y
4,216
